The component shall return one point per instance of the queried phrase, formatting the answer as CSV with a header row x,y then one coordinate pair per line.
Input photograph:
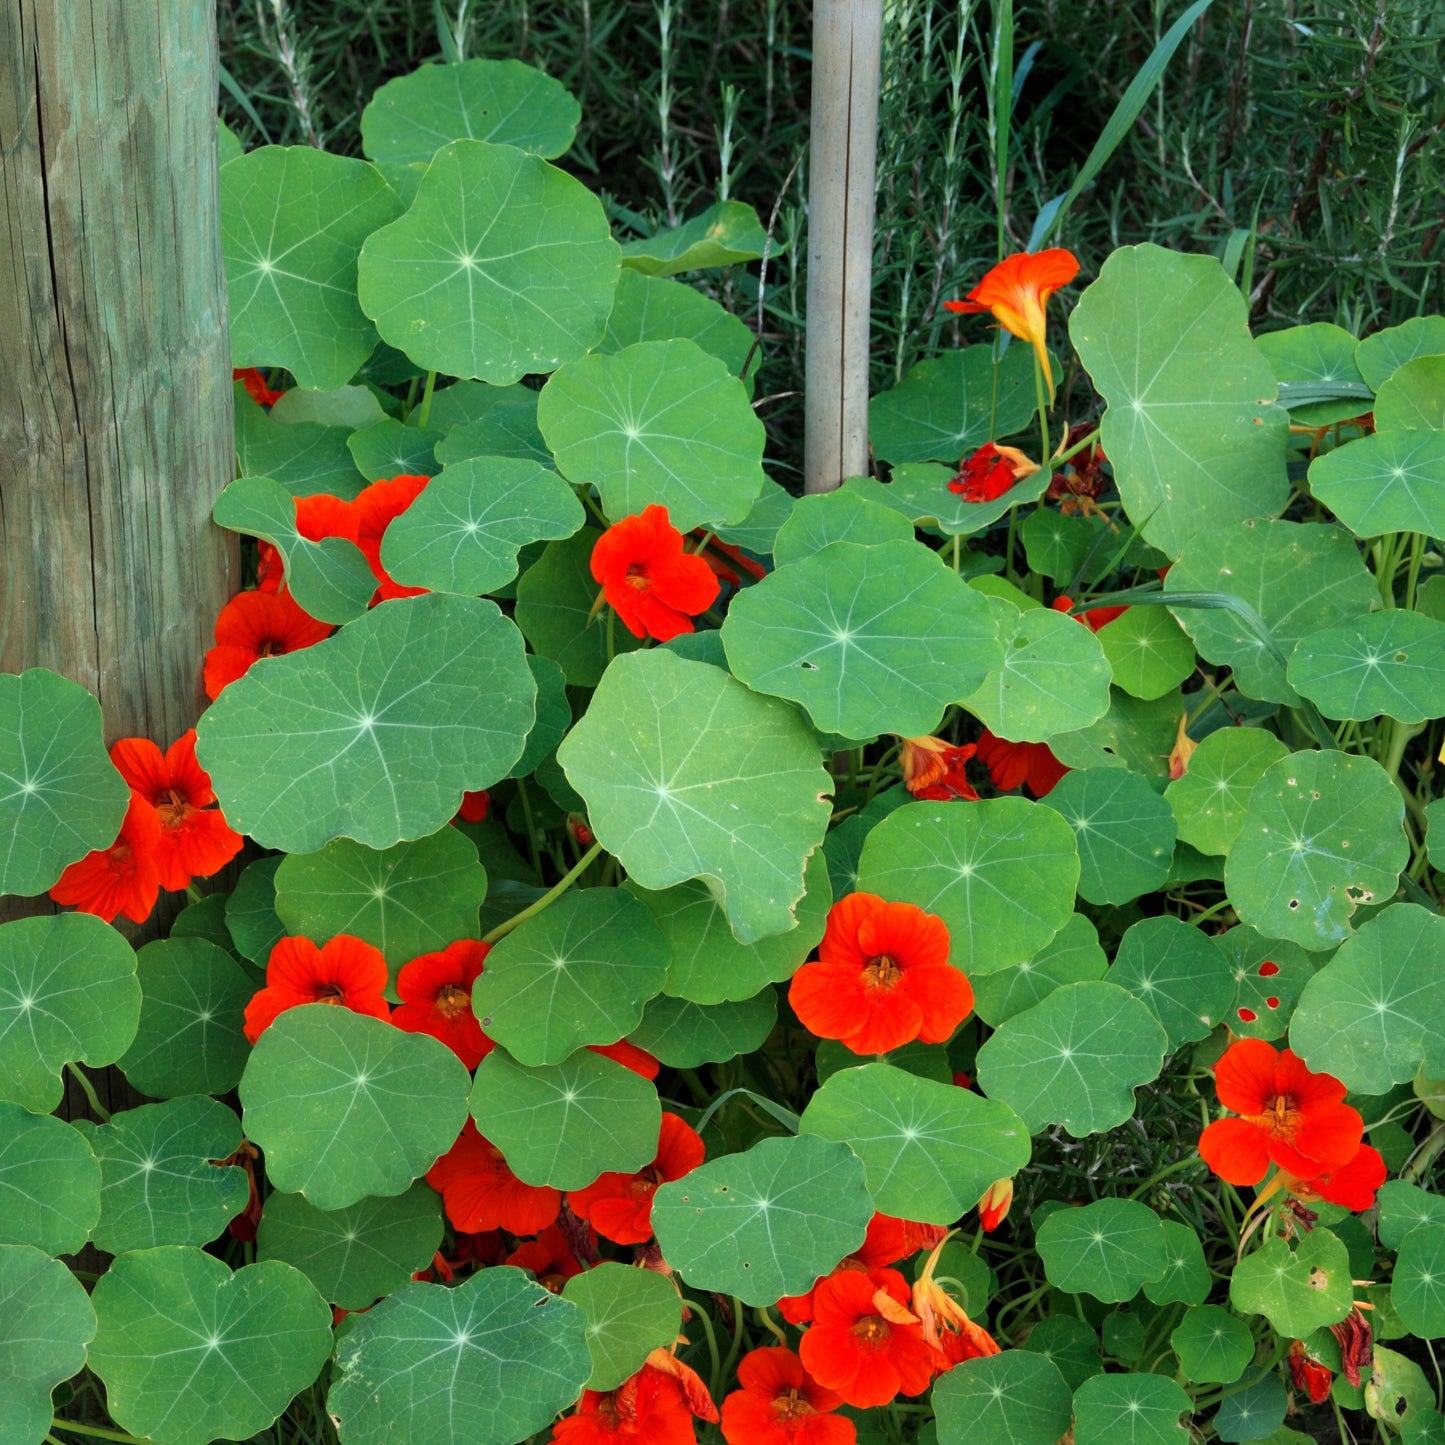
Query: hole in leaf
x,y
1271,1003
1293,903
1248,1015
1268,969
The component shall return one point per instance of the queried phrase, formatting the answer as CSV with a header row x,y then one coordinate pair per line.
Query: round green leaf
x,y
1000,873
1414,397
1186,1280
501,101
685,1035
660,421
488,421
764,1223
60,795
206,920
1075,1059
1124,829
1132,734
190,1352
1148,651
46,1321
1393,481
1073,955
1323,355
1179,973
251,913
868,639
564,1125
377,1105
689,774
1017,1398
1374,1015
1165,338
387,448
352,407
1380,356
1404,1207
1108,1249
354,1255
292,222
67,992
488,1362
189,1039
1054,677
929,1149
825,517
652,308
1296,1290
1389,662
1398,1391
1070,1344
759,529
49,1183
376,733
503,266
463,533
160,1180
1211,798
1214,1346
1130,1410
406,900
1323,833
1418,1289
630,1312
723,235
578,973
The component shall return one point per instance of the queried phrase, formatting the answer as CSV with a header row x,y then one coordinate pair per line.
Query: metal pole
x,y
847,40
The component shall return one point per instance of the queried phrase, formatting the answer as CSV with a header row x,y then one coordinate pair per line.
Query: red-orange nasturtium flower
x,y
1094,618
375,508
1289,1116
1182,750
322,515
253,625
882,978
549,1257
780,1403
887,1241
934,769
723,558
990,472
649,581
619,1206
947,1329
436,999
480,1192
648,1408
345,971
256,387
1352,1186
993,1208
196,841
1309,1374
474,807
1016,291
124,878
1015,765
629,1056
864,1341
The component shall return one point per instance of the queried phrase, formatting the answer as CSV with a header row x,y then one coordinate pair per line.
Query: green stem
x,y
425,411
1417,555
1178,1167
101,1112
1013,523
700,1315
1043,406
1081,445
547,899
531,827
79,1429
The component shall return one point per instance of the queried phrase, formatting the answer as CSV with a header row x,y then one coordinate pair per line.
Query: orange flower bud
x,y
1183,750
993,1208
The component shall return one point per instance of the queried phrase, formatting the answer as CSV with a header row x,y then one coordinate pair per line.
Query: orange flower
x,y
649,1408
1352,1185
1016,291
256,387
947,1329
344,971
629,1056
1013,765
253,625
474,807
864,1342
1290,1116
993,1208
882,978
549,1257
436,999
648,580
1094,618
322,515
480,1192
1308,1374
934,769
619,1206
124,878
375,508
887,1241
1182,750
718,554
780,1403
990,472
196,840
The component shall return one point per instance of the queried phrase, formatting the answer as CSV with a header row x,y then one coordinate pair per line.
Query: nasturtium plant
x,y
1125,832
1016,1397
46,1322
49,1182
630,1313
1211,798
722,235
1299,1289
1108,1249
1130,1410
1178,972
1072,955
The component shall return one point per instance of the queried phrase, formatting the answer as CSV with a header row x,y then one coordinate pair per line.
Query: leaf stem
x,y
99,1109
425,410
79,1429
547,899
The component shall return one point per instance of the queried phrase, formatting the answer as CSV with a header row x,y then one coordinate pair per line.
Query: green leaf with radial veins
x,y
949,405
1380,356
689,774
1214,1346
190,1352
1108,1249
488,421
387,448
1296,1290
49,1183
578,973
929,1149
723,235
407,900
1405,1207
1000,873
766,1222
564,1125
839,516
463,533
1148,651
1212,797
1299,577
68,992
1130,1410
1178,972
1054,677
1390,662
1389,482
1413,399
1417,1290
503,266
488,1362
1075,1059
305,457
630,1312
46,1321
1324,833
331,579
381,1105
1186,1280
868,639
501,101
1132,734
1191,428
377,732
355,1255
759,529
60,795
161,1182
1321,354
251,916
659,422
293,219
686,1035
1073,955
1124,829
652,308
1269,976
1374,1015
1014,1398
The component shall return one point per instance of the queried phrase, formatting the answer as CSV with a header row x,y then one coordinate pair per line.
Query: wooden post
x,y
843,152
